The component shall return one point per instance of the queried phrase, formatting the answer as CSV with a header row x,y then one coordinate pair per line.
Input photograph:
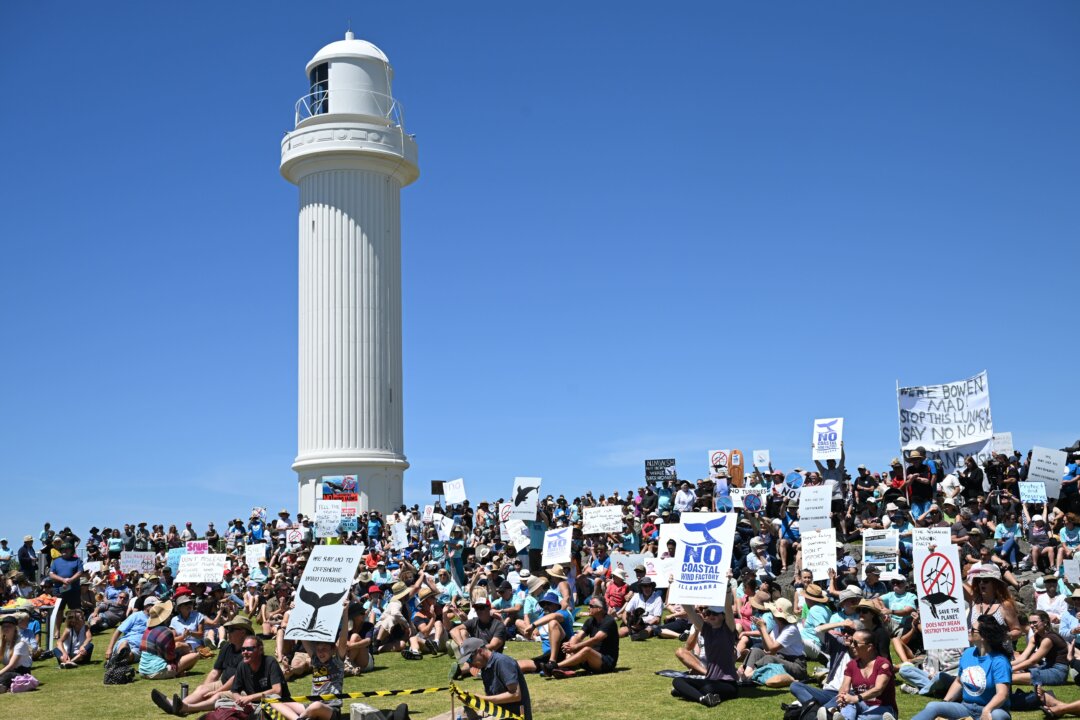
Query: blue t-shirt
x,y
132,629
566,620
66,568
980,674
899,602
815,615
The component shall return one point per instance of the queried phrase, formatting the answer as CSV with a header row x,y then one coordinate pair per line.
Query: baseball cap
x,y
468,648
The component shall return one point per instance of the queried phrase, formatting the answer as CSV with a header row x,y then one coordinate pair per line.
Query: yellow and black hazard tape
x,y
485,706
361,694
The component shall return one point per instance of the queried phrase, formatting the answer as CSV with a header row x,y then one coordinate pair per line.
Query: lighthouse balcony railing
x,y
350,101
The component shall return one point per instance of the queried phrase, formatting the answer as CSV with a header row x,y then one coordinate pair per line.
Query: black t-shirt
x,y
493,629
227,661
920,490
610,644
268,674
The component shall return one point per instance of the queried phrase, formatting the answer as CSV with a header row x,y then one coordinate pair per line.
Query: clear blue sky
x,y
640,231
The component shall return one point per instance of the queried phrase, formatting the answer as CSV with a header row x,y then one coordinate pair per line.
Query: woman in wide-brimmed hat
x,y
817,613
559,583
784,646
988,595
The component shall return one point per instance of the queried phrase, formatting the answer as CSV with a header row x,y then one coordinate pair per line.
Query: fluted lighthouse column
x,y
350,157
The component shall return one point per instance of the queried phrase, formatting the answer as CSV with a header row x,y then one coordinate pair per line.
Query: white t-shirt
x,y
791,642
22,652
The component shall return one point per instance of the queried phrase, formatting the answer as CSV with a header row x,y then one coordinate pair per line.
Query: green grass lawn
x,y
632,692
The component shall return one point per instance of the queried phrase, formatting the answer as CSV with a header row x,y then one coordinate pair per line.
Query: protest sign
x,y
952,459
762,459
349,523
294,537
172,559
793,483
260,511
429,514
814,504
604,519
939,586
819,552
454,491
881,548
206,568
1002,444
627,562
446,526
718,460
828,434
517,534
661,570
318,600
736,468
556,547
1032,492
925,537
656,471
738,497
345,488
401,536
1072,570
524,497
1048,466
704,557
197,547
327,518
93,566
942,417
254,553
142,562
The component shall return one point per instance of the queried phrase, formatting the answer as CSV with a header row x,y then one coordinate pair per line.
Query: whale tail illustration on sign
x,y
705,527
317,602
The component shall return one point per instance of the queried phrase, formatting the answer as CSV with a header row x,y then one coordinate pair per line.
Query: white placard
x,y
517,534
828,435
1072,570
762,459
400,535
604,519
943,417
738,496
142,562
1003,443
881,548
429,514
814,504
523,499
454,491
703,558
209,568
327,577
1032,492
819,552
1048,466
254,553
446,526
718,460
925,537
940,588
556,546
327,518
92,566
661,570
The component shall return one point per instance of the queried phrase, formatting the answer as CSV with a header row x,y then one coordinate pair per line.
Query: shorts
x,y
211,687
543,658
607,664
839,507
166,673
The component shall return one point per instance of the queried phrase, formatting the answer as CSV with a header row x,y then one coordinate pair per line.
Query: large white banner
x,y
605,519
814,504
327,518
944,417
201,568
524,498
953,458
819,552
703,558
828,434
454,490
940,588
556,546
1048,466
140,561
318,601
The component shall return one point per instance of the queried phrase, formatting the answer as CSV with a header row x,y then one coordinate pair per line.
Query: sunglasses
x,y
248,649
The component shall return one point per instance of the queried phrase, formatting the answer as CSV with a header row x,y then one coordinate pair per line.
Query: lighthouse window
x,y
320,89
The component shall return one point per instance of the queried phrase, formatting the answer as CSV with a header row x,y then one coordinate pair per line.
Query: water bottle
x,y
183,691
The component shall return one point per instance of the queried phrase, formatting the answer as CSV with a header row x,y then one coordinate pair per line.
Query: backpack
x,y
119,674
802,712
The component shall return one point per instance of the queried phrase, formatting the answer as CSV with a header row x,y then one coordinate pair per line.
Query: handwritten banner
x,y
197,547
254,553
940,417
605,519
327,518
327,578
142,562
819,552
454,490
207,568
1033,492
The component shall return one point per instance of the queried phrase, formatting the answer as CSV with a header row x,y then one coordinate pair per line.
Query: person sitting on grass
x,y
124,643
867,690
716,626
218,681
553,627
785,648
429,635
76,644
484,626
187,625
14,653
595,647
1045,660
981,688
159,656
109,613
504,683
641,616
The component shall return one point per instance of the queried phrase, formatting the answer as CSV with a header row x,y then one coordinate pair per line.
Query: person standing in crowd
x,y
504,683
66,571
28,559
716,626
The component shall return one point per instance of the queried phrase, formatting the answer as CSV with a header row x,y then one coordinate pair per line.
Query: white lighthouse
x,y
350,156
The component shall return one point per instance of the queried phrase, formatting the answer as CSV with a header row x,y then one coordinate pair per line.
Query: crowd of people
x,y
841,647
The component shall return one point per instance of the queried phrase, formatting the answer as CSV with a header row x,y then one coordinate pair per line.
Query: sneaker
x,y
710,700
909,690
121,655
178,706
684,636
432,647
561,674
888,716
70,665
410,654
452,646
641,635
